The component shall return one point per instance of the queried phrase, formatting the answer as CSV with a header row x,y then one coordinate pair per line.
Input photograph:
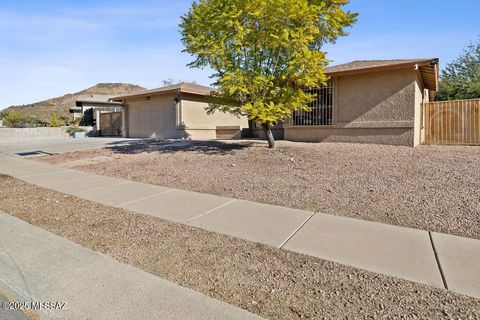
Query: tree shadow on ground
x,y
176,146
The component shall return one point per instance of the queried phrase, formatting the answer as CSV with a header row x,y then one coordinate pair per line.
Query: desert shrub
x,y
64,120
14,119
54,121
74,128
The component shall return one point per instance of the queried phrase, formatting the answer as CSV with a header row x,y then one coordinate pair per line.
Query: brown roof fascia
x,y
158,93
397,66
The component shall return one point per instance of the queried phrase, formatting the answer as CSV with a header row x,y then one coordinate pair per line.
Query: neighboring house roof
x,y
80,103
75,110
183,87
94,100
94,97
428,68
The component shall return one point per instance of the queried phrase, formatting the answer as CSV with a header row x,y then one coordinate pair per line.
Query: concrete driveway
x,y
64,145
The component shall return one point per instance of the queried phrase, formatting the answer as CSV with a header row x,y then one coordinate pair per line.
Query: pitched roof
x,y
183,87
428,68
93,98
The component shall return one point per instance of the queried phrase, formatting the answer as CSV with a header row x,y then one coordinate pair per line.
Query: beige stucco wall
x,y
419,96
152,119
377,107
389,136
198,124
422,96
163,118
278,134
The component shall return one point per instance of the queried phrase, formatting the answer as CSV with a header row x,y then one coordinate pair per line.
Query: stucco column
x,y
97,118
178,109
124,122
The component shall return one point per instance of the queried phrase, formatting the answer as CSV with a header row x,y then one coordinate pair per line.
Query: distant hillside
x,y
60,105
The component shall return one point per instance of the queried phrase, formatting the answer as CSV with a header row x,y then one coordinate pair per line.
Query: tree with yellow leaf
x,y
265,53
54,121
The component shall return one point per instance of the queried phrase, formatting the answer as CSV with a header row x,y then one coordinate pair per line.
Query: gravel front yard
x,y
432,188
272,283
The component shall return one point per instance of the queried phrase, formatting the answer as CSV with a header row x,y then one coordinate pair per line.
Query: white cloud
x,y
49,54
42,78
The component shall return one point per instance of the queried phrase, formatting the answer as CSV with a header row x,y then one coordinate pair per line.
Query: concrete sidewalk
x,y
39,266
438,260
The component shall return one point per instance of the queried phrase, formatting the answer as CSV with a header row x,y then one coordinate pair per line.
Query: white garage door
x,y
152,119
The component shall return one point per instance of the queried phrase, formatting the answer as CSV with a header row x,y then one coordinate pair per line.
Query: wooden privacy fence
x,y
111,124
455,122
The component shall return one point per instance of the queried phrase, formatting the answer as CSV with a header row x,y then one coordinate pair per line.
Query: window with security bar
x,y
321,113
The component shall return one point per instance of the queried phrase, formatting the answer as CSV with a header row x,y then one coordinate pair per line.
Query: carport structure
x,y
105,116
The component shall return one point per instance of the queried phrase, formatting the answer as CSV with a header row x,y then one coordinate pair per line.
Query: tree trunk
x,y
269,135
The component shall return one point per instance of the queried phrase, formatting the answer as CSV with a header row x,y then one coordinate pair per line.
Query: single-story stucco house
x,y
175,112
375,101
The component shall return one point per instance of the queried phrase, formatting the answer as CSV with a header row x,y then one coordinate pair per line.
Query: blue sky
x,y
49,48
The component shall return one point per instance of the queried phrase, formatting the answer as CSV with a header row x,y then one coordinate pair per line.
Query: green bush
x,y
64,120
73,128
14,119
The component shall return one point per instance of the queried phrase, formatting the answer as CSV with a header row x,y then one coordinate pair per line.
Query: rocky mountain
x,y
60,105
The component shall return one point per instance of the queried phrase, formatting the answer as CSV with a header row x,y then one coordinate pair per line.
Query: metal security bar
x,y
322,109
455,122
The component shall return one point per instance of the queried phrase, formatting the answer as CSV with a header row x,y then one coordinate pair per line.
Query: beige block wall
x,y
376,107
200,125
152,119
14,135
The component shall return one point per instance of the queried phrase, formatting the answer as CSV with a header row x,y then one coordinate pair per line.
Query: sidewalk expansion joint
x,y
296,231
63,181
444,280
42,174
104,187
210,211
144,198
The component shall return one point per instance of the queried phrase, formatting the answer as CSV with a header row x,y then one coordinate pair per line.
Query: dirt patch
x,y
431,188
273,283
85,162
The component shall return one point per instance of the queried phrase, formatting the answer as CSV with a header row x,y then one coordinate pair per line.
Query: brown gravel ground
x,y
431,188
273,283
